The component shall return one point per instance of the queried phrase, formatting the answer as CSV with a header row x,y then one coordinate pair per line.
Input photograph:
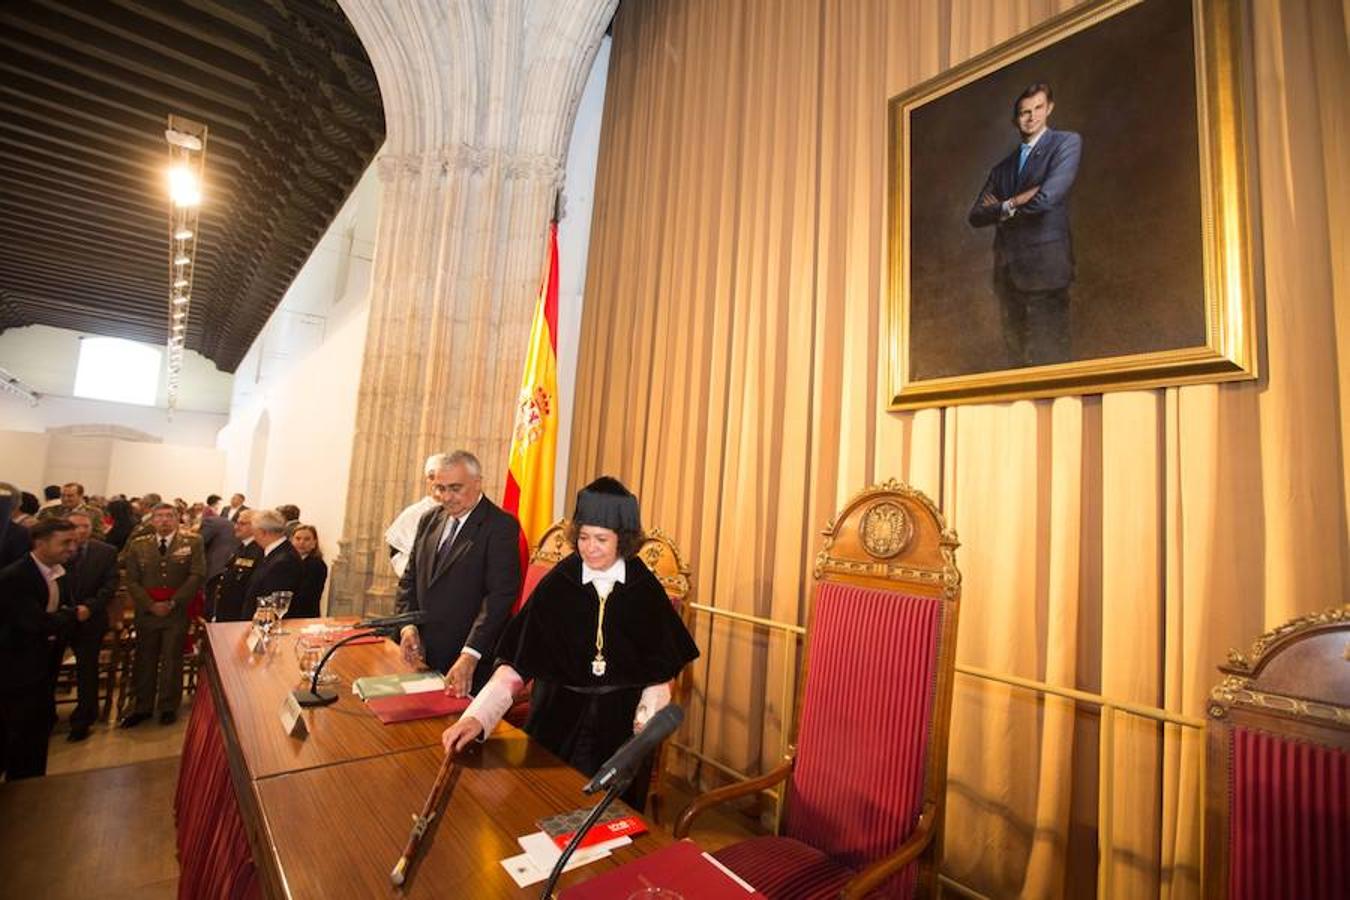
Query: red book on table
x,y
682,867
422,705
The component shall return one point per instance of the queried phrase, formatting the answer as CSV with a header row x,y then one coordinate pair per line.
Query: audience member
x,y
144,526
278,569
90,582
291,513
403,531
235,508
220,544
123,521
26,512
164,571
213,501
14,542
51,496
313,573
227,604
465,610
71,500
31,617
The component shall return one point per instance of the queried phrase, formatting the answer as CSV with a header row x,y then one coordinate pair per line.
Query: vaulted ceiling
x,y
86,87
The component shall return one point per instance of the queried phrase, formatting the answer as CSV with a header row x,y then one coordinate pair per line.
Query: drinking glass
x,y
310,648
281,602
265,615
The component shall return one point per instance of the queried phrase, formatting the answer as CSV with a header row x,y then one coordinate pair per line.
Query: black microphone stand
x,y
616,787
317,696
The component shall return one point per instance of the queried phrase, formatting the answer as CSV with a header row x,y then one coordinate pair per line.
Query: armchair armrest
x,y
870,878
730,792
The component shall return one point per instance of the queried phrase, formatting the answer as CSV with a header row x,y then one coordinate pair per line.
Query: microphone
x,y
412,617
317,696
627,758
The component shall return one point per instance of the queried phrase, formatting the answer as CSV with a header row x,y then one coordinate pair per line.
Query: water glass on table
x,y
281,602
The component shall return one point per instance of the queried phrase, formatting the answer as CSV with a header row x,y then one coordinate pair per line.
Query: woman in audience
x,y
26,512
313,573
600,639
123,520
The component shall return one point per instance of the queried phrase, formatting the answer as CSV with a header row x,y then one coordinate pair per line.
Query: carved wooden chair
x,y
867,777
662,556
1277,778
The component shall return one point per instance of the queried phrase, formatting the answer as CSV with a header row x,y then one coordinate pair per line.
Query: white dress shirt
x,y
401,534
50,574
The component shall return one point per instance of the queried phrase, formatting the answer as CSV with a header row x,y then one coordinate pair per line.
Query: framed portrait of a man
x,y
1069,211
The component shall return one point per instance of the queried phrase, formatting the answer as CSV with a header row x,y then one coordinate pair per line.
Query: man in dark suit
x,y
90,582
236,506
464,573
220,544
14,541
31,618
1026,198
278,568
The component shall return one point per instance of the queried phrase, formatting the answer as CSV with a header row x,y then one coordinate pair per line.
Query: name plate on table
x,y
292,722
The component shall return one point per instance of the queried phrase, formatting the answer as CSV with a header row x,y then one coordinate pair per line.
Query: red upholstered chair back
x,y
875,700
1277,793
552,547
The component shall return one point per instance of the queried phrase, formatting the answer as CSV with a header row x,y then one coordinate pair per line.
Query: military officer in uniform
x,y
72,501
164,571
227,602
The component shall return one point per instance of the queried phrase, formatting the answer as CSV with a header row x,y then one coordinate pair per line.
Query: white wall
x,y
574,236
172,471
66,438
293,410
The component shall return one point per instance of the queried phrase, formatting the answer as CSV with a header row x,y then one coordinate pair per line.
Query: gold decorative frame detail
x,y
1230,351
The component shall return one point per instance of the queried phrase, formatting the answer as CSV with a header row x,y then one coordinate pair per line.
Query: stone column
x,y
479,100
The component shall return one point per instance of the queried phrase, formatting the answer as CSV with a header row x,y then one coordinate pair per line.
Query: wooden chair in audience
x,y
1277,775
866,780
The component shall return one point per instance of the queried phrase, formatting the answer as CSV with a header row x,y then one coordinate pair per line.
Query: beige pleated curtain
x,y
730,371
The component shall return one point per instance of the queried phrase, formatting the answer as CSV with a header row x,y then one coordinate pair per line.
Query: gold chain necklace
x,y
598,664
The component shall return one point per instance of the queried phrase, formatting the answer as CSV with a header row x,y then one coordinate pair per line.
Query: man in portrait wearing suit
x,y
90,582
278,567
464,573
31,619
236,506
164,571
1026,199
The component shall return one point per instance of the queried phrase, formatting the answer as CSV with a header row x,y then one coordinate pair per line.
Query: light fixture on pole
x,y
187,168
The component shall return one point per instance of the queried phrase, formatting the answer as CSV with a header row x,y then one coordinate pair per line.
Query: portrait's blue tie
x,y
1023,153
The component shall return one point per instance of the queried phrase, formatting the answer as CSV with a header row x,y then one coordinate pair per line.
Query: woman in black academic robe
x,y
600,640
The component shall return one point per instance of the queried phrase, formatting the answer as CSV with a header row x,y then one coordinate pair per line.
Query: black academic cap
x,y
606,503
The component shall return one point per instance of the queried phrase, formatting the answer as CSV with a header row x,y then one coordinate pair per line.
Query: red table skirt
x,y
214,858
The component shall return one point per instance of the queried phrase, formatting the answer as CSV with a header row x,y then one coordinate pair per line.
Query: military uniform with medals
x,y
170,570
227,603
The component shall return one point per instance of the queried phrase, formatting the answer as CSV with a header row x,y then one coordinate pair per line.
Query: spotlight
x,y
183,187
183,234
182,259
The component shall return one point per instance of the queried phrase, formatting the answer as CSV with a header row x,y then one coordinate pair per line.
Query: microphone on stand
x,y
385,626
614,776
627,758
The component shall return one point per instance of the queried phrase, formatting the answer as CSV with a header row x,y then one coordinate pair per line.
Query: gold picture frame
x,y
1193,317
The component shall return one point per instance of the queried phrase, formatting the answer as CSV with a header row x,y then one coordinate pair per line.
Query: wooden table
x,y
327,816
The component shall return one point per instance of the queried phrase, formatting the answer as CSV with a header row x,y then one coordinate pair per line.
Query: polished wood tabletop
x,y
330,813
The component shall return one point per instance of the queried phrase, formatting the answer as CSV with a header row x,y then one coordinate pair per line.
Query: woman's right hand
x,y
461,734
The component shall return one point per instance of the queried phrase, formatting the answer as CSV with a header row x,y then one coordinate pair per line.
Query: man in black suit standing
x,y
464,573
90,582
220,544
31,618
236,506
1026,197
278,568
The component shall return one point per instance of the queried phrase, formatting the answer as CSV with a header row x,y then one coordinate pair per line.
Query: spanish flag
x,y
534,438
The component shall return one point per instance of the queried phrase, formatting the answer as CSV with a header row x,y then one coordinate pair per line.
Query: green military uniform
x,y
180,568
95,515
